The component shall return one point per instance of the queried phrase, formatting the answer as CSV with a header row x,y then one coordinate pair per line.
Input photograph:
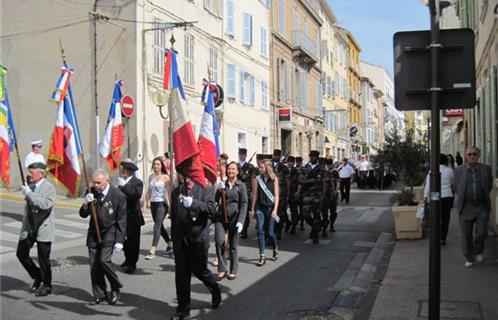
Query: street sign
x,y
452,112
353,131
127,106
412,69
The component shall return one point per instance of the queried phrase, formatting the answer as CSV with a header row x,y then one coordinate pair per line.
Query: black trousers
x,y
101,267
131,246
446,205
42,273
247,221
329,205
345,187
191,258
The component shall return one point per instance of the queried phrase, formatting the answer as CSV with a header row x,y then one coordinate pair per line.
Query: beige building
x,y
354,80
295,77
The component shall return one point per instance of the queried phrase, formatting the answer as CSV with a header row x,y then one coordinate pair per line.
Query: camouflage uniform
x,y
282,172
329,204
247,173
294,198
311,184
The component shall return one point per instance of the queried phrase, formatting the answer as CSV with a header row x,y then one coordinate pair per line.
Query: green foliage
x,y
405,197
408,158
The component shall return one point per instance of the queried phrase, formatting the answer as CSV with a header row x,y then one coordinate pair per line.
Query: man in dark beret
x,y
37,227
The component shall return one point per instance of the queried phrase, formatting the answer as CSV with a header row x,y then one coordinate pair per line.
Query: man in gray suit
x,y
473,183
37,226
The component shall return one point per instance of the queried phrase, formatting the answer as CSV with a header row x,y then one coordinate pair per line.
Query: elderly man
x,y
110,206
37,227
473,182
132,187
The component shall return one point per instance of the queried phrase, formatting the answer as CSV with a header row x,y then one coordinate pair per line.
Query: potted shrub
x,y
408,158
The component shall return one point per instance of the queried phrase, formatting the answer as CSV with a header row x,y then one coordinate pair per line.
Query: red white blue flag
x,y
110,145
208,138
7,132
187,160
65,146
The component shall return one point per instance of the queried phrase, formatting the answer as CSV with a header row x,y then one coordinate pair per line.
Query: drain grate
x,y
454,310
312,315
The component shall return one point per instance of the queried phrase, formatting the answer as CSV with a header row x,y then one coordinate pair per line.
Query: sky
x,y
374,22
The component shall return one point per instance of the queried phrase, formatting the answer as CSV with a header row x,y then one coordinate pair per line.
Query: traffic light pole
x,y
435,177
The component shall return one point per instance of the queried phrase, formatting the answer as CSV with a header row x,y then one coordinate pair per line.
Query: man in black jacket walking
x,y
132,187
110,205
191,208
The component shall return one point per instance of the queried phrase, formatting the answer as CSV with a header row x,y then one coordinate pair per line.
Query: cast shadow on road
x,y
12,215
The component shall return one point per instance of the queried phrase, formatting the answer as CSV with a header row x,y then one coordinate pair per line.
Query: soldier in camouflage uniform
x,y
299,167
247,173
311,188
282,171
293,196
330,194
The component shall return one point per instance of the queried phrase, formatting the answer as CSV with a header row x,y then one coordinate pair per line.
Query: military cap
x,y
37,165
314,153
243,151
277,152
268,157
259,157
224,156
291,158
36,143
299,159
129,165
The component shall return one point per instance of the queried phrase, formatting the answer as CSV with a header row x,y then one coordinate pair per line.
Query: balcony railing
x,y
299,38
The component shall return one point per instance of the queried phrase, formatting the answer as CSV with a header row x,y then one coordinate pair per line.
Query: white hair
x,y
101,172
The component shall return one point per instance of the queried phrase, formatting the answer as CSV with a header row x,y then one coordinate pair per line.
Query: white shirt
x,y
446,181
32,158
312,166
106,190
364,165
242,163
346,171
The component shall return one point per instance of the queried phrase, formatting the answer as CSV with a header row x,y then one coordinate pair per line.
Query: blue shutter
x,y
247,27
231,80
264,95
230,22
263,42
281,17
253,91
242,98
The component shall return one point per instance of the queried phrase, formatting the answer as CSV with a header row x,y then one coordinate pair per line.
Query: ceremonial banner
x,y
208,138
65,145
187,160
7,132
110,146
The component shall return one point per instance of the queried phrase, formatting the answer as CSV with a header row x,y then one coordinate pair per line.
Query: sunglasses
x,y
472,154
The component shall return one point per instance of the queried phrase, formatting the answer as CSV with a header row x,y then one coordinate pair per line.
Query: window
x,y
304,91
242,140
158,47
247,30
213,6
318,99
188,67
264,94
213,63
231,81
266,3
230,16
283,80
281,17
263,43
264,145
329,86
247,89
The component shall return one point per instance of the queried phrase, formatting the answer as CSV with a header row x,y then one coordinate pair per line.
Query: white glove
x,y
121,181
88,198
220,185
239,227
187,202
118,247
25,189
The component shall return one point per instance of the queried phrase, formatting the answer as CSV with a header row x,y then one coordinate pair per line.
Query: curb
x,y
20,198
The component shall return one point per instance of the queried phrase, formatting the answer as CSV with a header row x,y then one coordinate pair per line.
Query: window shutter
x,y
231,81
253,91
230,22
242,93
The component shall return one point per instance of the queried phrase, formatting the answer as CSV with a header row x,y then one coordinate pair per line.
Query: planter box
x,y
406,224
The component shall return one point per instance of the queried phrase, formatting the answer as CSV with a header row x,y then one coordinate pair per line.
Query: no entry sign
x,y
127,106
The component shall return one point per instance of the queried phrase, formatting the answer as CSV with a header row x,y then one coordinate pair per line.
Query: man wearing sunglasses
x,y
473,183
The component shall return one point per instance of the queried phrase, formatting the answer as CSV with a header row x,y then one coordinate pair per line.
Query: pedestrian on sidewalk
x,y
346,173
157,199
473,184
37,227
191,208
110,206
264,207
447,196
235,208
132,187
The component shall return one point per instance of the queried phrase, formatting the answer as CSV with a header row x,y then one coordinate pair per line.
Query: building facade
x,y
354,81
370,119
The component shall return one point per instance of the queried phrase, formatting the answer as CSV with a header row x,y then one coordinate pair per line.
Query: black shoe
x,y
324,233
181,316
44,291
243,235
113,297
95,301
332,229
215,296
129,269
275,255
287,227
124,264
293,230
36,285
316,240
443,242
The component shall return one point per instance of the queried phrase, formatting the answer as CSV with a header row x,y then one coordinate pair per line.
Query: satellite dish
x,y
160,98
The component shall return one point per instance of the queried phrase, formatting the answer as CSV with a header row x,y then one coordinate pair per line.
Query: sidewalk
x,y
466,293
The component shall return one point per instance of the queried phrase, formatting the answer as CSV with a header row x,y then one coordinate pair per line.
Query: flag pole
x,y
172,169
92,204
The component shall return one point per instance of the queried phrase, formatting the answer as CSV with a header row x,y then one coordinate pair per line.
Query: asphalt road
x,y
335,279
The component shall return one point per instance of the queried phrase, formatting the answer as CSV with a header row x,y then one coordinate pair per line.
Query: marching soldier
x,y
299,166
247,173
282,172
311,188
330,190
293,196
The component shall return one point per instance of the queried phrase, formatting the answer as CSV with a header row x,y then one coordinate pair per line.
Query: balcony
x,y
305,48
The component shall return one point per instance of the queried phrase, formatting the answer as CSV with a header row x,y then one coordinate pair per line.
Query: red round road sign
x,y
127,106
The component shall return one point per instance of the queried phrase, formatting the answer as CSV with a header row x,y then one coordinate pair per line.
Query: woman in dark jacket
x,y
232,198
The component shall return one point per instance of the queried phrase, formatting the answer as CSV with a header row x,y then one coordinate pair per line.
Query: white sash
x,y
265,189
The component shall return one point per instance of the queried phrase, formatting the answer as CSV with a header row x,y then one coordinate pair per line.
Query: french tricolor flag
x,y
65,146
110,146
187,154
208,138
